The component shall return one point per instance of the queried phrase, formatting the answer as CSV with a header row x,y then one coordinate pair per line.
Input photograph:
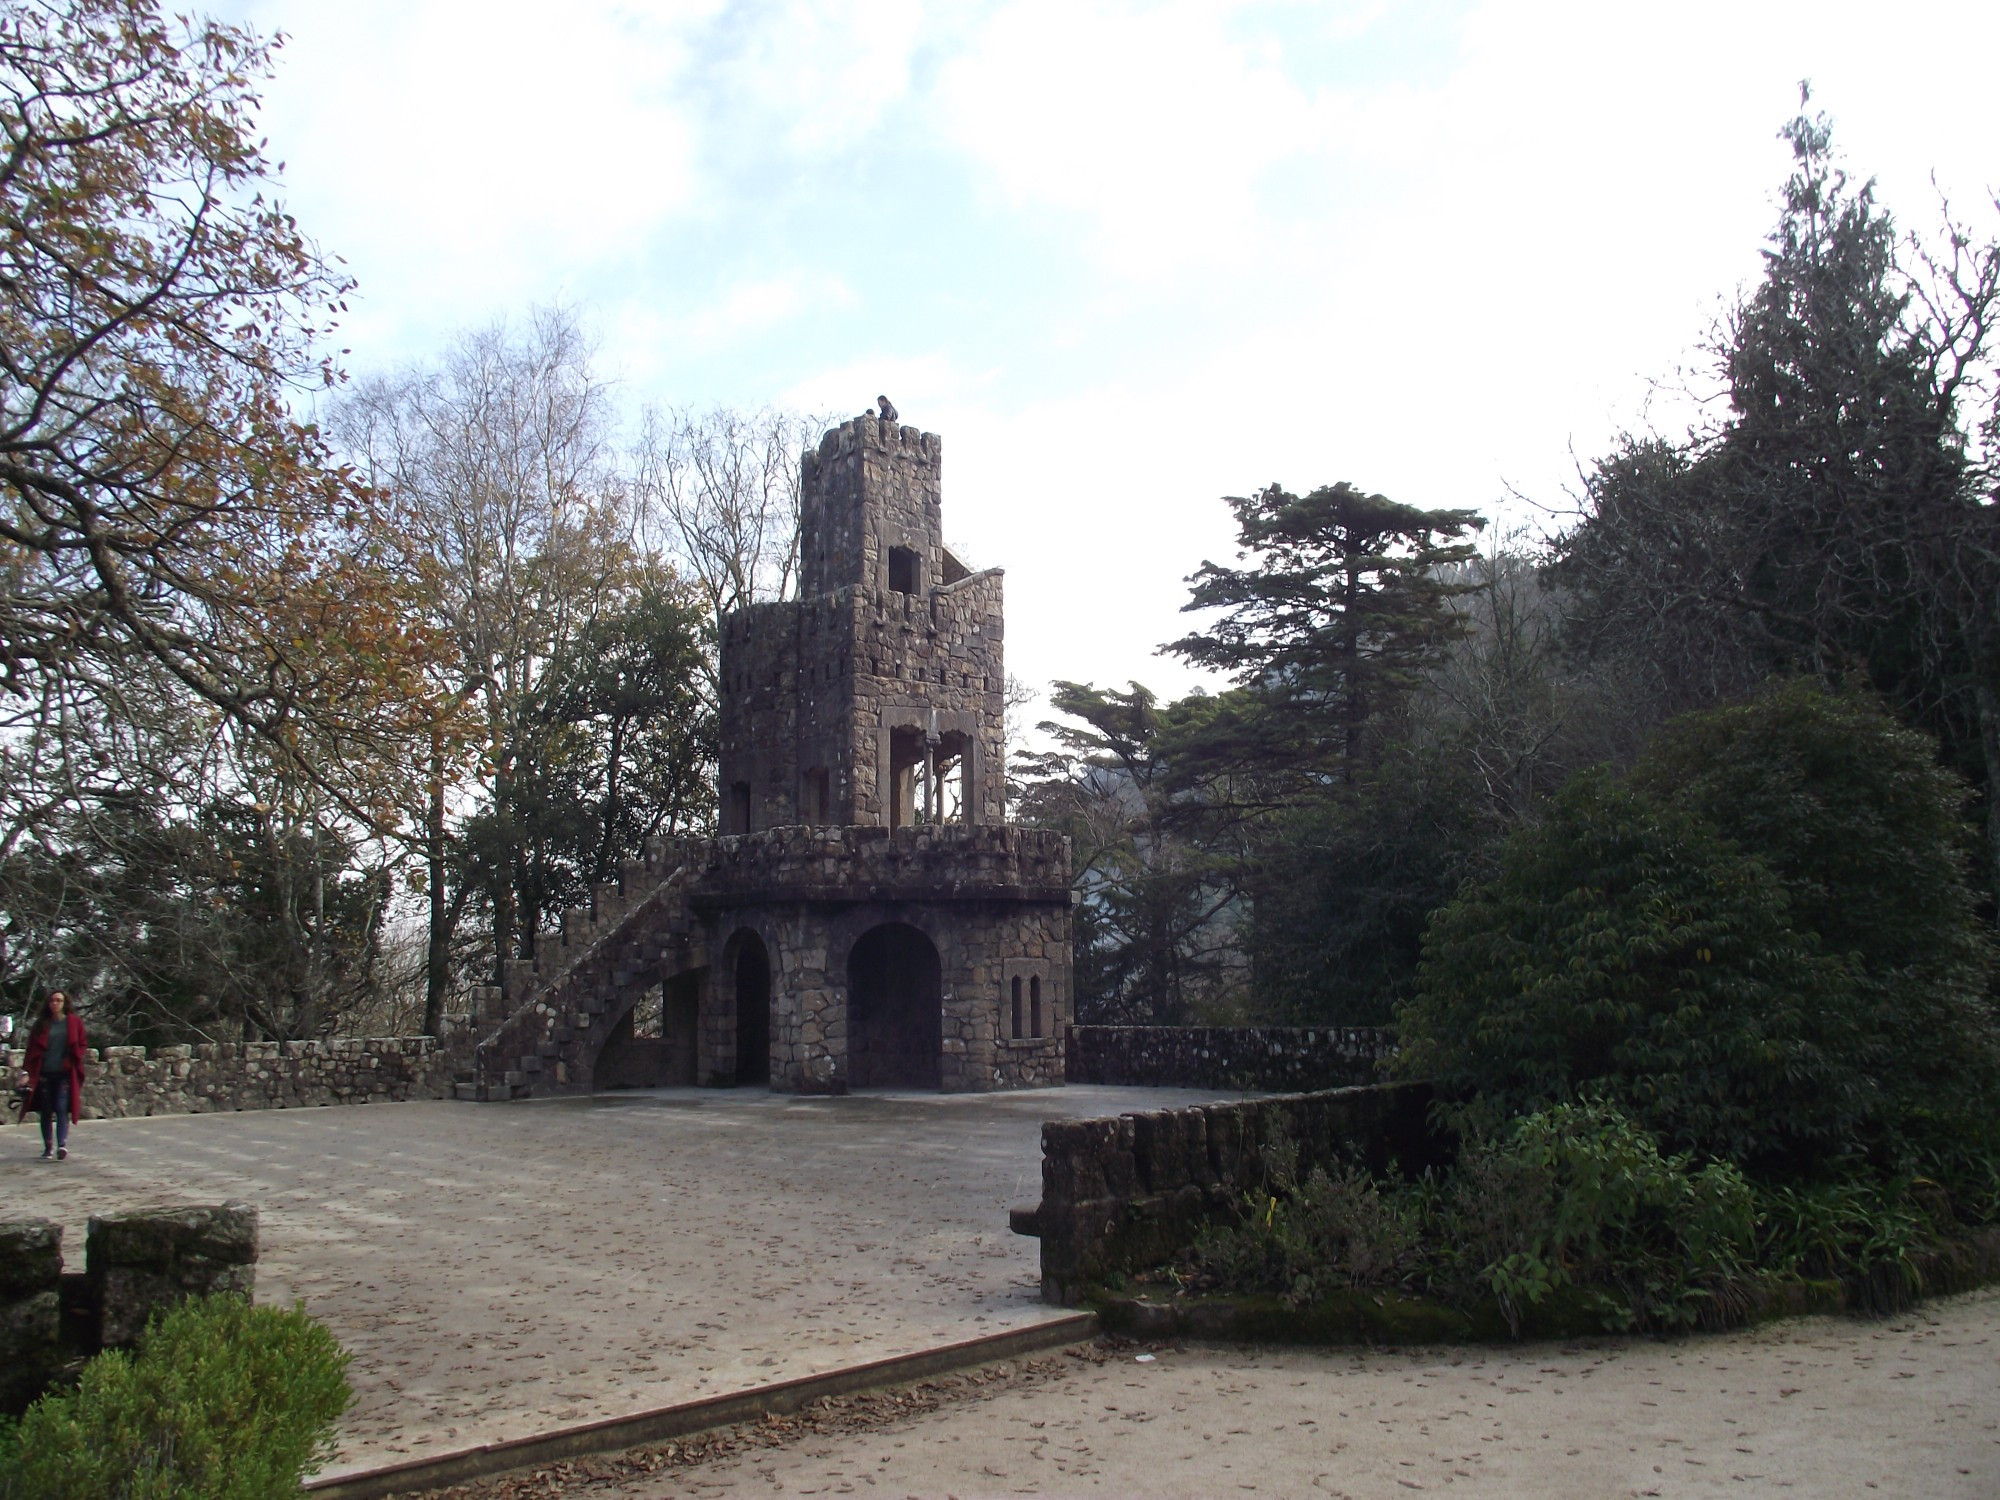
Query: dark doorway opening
x,y
653,1044
753,1010
895,1010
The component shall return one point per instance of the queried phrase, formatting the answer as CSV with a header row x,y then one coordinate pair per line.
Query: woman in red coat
x,y
55,1073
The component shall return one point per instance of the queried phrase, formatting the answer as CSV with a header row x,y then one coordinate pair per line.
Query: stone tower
x,y
875,698
866,917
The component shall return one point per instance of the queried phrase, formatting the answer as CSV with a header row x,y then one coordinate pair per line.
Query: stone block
x,y
30,1347
141,1262
30,1256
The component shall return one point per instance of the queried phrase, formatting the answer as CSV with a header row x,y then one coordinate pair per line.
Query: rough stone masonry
x,y
866,916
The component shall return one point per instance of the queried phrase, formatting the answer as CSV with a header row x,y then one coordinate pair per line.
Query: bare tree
x,y
503,455
720,490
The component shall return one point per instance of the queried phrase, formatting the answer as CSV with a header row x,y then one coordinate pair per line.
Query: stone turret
x,y
875,699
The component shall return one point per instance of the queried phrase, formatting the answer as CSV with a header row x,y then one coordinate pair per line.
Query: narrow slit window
x,y
1035,1006
1017,1007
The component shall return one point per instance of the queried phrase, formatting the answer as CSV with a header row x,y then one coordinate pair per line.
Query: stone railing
x,y
1127,1194
938,862
135,1264
126,1082
1255,1059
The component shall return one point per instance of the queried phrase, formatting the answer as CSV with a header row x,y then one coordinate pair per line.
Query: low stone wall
x,y
30,1309
1256,1059
125,1082
1126,1194
140,1262
135,1264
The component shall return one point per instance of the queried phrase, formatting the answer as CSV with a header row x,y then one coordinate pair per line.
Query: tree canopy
x,y
165,511
1338,615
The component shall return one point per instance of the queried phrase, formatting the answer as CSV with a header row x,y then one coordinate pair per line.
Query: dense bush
x,y
1627,951
223,1401
1576,1198
1580,1196
1765,947
1866,832
1304,1238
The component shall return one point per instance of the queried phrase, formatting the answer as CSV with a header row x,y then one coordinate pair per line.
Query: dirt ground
x,y
1833,1407
498,1270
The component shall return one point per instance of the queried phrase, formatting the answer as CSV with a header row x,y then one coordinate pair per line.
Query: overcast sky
x,y
1127,259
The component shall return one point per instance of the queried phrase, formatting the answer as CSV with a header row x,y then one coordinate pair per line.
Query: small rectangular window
x,y
739,807
903,570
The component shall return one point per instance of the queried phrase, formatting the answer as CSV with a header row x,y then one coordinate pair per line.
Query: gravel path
x,y
500,1270
1821,1407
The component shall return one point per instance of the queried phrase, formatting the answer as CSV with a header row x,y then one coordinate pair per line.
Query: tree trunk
x,y
437,957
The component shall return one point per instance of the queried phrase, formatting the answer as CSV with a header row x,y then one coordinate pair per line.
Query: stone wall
x,y
31,1350
1256,1059
994,902
124,1082
135,1264
980,947
1122,1195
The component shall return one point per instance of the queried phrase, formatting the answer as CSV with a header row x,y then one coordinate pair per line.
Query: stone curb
x,y
611,1434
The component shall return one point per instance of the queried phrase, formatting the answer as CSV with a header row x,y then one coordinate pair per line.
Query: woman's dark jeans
x,y
52,1103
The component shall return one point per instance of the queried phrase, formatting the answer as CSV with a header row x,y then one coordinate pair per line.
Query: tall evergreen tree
x,y
1833,523
1342,609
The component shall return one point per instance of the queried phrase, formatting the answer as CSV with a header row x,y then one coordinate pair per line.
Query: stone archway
x,y
750,975
895,1010
653,1043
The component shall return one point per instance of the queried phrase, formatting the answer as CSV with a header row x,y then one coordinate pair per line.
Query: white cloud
x,y
1127,257
822,76
750,306
1152,120
458,156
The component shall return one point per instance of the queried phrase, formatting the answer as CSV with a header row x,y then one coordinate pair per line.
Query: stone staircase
x,y
552,1016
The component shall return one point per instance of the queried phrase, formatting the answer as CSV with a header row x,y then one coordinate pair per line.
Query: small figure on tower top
x,y
887,407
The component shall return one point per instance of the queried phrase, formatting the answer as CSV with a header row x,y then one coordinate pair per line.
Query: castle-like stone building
x,y
866,916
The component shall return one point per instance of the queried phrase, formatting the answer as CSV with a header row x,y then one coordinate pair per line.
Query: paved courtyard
x,y
497,1270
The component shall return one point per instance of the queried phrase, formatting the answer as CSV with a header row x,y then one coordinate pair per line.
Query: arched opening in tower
x,y
929,778
953,784
895,1010
752,974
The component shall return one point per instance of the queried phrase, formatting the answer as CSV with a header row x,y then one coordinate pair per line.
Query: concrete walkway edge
x,y
658,1425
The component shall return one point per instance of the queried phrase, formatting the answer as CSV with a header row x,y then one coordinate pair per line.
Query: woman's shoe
x,y
62,1153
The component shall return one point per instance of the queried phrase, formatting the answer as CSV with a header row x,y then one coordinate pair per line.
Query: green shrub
x,y
1627,951
1851,1229
1764,947
1867,833
1580,1196
1577,1198
223,1401
1304,1239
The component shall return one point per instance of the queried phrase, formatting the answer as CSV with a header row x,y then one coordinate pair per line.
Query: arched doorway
x,y
895,1010
752,977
